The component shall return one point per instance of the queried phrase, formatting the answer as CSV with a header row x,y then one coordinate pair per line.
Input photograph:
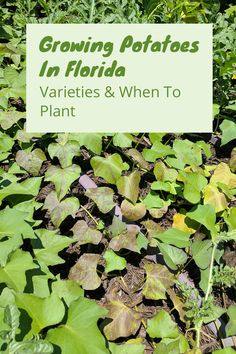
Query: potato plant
x,y
117,243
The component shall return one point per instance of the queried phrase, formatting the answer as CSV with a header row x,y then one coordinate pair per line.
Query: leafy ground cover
x,y
117,243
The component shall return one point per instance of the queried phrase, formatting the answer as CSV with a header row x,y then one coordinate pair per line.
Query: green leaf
x,y
228,128
205,215
103,197
158,281
13,273
67,289
62,178
187,152
109,168
31,161
201,251
8,118
113,261
128,186
174,237
51,245
216,312
193,185
170,187
6,142
92,141
37,346
18,227
123,140
231,219
216,109
29,186
126,321
157,151
7,246
60,210
173,256
127,348
44,312
12,319
162,326
231,325
85,234
152,200
85,271
227,350
173,346
64,151
81,324
117,226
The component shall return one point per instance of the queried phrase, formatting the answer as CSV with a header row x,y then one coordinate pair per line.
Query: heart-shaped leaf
x,y
72,337
133,212
103,197
109,168
113,261
128,186
85,234
62,178
158,281
31,161
85,271
60,210
126,321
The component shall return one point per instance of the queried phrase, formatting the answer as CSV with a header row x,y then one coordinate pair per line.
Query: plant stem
x,y
209,285
208,291
91,216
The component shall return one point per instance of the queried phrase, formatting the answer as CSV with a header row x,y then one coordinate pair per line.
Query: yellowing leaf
x,y
128,186
133,212
163,173
223,174
179,223
158,281
214,197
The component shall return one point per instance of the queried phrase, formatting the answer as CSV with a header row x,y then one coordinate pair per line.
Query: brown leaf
x,y
86,234
178,304
127,240
31,161
133,212
126,321
85,271
137,156
103,197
